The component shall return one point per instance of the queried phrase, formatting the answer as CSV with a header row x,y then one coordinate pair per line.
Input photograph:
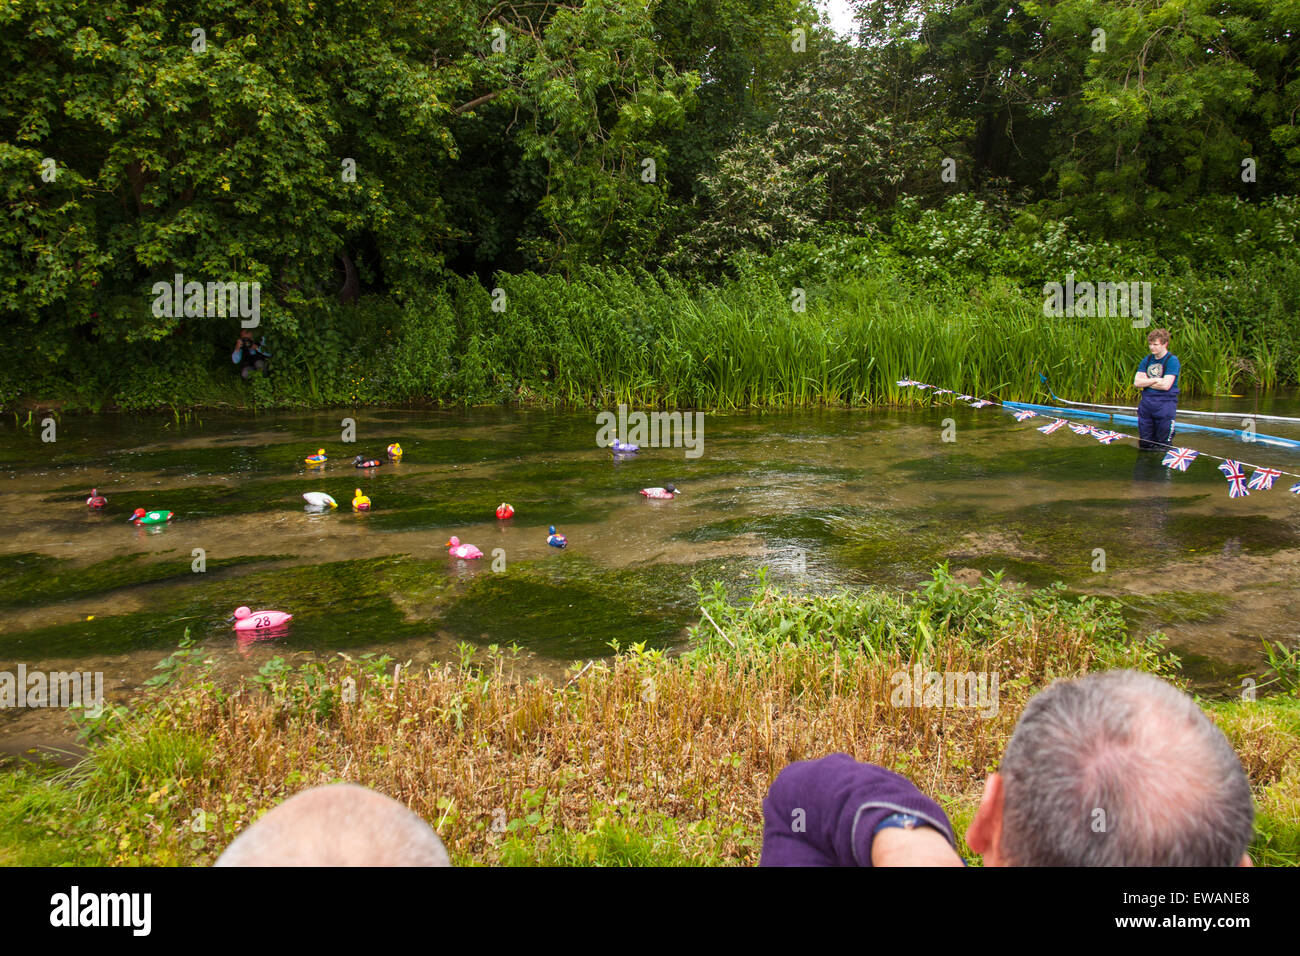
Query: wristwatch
x,y
904,821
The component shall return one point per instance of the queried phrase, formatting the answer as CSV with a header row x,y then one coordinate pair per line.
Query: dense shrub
x,y
955,293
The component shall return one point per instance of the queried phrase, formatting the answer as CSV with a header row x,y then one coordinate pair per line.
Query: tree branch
x,y
476,101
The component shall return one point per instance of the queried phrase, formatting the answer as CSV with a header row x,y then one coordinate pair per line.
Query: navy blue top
x,y
1159,368
823,812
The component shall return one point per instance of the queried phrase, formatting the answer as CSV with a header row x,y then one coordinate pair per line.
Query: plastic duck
x,y
246,620
318,499
556,540
140,516
395,451
458,550
361,461
667,491
96,500
505,511
317,459
361,502
623,448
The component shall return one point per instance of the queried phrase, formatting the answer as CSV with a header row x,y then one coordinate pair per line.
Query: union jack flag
x,y
1180,458
1295,489
980,404
905,383
964,398
1263,478
1106,437
943,391
1236,478
922,385
1048,429
1026,413
1080,429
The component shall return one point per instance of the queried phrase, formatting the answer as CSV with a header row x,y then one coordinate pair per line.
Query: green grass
x,y
620,836
610,336
102,809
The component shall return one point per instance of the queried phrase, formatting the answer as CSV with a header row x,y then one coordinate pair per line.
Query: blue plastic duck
x,y
556,540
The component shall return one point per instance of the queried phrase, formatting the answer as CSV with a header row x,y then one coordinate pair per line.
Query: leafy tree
x,y
742,50
1182,93
218,154
838,150
596,98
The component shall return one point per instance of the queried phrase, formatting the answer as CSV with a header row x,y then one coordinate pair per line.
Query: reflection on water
x,y
1148,467
824,498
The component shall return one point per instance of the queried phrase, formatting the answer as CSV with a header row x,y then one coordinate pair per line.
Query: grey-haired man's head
x,y
337,825
1115,769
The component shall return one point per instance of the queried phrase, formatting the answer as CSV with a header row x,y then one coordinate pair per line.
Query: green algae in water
x,y
453,504
547,465
1177,606
814,526
601,474
338,604
882,546
1029,572
208,501
950,463
563,620
32,579
1215,678
1043,543
570,609
1257,534
559,608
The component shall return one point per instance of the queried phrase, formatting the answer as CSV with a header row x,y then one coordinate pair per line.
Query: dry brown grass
x,y
695,739
679,749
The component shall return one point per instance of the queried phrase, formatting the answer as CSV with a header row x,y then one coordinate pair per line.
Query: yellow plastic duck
x,y
395,451
361,502
318,458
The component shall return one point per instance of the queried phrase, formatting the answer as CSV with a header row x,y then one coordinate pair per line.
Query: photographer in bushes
x,y
250,357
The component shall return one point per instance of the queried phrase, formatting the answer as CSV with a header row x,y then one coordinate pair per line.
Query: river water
x,y
825,499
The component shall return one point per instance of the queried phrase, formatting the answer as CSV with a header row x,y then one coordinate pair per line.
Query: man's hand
x,y
923,846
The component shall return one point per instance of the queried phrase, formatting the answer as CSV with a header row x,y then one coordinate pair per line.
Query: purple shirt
x,y
822,812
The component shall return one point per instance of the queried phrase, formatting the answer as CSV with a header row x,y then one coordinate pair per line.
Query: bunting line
x,y
1176,458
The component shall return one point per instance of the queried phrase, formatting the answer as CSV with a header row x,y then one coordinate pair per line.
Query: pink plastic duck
x,y
666,492
458,550
246,620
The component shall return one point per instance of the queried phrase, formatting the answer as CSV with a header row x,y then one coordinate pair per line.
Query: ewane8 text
x,y
1156,899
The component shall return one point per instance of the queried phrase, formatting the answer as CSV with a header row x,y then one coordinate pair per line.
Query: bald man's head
x,y
338,825
1122,769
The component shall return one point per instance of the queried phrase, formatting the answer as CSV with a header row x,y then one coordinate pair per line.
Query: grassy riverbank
x,y
789,334
640,758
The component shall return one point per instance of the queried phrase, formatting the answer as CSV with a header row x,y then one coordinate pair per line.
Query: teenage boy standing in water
x,y
1157,377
